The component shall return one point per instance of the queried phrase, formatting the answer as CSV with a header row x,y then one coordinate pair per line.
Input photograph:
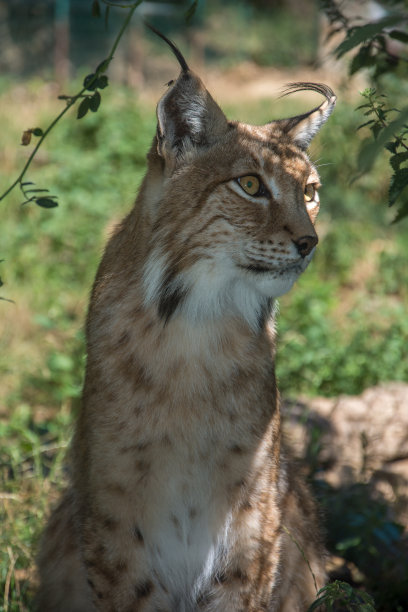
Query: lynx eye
x,y
310,192
250,184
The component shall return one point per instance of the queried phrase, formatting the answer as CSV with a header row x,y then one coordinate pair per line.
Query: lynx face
x,y
233,225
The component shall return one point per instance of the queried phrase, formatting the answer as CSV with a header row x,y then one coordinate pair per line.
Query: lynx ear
x,y
187,115
187,118
303,128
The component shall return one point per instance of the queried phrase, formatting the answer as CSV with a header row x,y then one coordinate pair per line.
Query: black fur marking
x,y
144,589
138,534
256,269
170,299
264,313
171,294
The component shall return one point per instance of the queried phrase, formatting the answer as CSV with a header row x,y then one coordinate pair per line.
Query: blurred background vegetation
x,y
343,328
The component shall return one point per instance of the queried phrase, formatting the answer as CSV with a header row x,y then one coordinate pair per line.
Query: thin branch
x,y
71,100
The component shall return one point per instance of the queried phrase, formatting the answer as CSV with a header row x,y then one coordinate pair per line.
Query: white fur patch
x,y
217,287
275,190
153,274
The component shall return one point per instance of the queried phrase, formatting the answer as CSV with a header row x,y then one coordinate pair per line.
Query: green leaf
x,y
365,124
348,543
347,588
102,82
96,9
83,108
402,212
190,12
397,159
398,35
359,34
376,129
362,59
89,82
38,132
46,202
370,149
399,181
391,146
317,603
103,66
95,101
36,190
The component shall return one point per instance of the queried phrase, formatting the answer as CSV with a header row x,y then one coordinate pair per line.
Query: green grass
x,y
342,328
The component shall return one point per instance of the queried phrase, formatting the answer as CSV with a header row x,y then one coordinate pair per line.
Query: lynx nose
x,y
305,244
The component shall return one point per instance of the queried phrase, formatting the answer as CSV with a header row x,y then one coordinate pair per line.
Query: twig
x,y
302,553
10,496
71,100
8,578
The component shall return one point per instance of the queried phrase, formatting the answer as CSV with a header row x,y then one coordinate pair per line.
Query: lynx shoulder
x,y
181,497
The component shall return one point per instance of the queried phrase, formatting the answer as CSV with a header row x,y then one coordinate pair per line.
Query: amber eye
x,y
250,184
310,192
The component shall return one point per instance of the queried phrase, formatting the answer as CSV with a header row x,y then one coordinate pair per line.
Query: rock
x,y
352,439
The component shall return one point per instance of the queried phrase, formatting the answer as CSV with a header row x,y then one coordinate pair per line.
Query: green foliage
x,y
360,530
372,35
369,42
342,594
348,308
31,455
265,34
93,82
390,134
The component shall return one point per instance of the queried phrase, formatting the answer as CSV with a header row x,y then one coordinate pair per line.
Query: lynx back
x,y
182,497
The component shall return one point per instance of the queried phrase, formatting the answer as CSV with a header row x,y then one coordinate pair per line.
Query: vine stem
x,y
73,99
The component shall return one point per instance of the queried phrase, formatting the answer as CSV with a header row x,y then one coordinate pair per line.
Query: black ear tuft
x,y
303,128
176,51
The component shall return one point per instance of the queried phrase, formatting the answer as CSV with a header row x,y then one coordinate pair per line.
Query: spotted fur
x,y
182,498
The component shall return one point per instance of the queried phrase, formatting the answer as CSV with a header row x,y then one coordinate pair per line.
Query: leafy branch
x,y
390,134
339,593
388,125
90,100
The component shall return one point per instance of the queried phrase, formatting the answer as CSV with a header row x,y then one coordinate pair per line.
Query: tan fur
x,y
181,496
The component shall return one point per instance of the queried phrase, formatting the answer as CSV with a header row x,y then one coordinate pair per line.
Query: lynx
x,y
182,497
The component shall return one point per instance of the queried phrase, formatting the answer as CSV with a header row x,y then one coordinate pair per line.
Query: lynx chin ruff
x,y
181,497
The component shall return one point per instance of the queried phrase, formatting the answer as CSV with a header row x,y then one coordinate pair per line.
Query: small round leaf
x,y
102,82
95,101
26,138
88,82
83,108
103,65
46,202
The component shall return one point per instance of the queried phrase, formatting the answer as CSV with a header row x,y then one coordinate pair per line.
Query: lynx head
x,y
232,206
